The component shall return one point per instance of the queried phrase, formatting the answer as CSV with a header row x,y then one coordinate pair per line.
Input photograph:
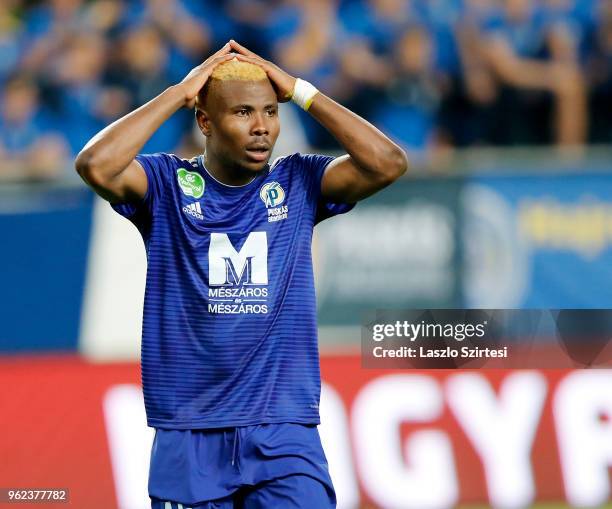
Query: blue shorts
x,y
248,467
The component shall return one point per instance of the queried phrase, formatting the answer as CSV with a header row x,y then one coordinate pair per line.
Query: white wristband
x,y
303,93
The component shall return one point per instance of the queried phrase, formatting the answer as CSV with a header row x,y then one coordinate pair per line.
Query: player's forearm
x,y
113,148
372,151
519,72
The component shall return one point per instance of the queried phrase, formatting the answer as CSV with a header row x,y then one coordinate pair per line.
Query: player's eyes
x,y
245,112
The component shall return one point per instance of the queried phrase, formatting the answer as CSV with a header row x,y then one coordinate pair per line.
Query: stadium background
x,y
505,109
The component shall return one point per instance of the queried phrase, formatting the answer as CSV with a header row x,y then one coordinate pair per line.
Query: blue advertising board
x,y
538,241
45,236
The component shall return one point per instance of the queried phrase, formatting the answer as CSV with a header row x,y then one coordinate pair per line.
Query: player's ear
x,y
203,121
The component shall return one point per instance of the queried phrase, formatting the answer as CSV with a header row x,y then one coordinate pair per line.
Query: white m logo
x,y
249,266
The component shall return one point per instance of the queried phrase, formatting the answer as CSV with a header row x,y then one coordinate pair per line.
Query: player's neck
x,y
230,176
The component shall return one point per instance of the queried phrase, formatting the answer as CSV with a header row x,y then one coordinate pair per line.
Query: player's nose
x,y
259,127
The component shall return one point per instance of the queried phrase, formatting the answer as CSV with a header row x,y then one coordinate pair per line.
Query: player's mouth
x,y
259,152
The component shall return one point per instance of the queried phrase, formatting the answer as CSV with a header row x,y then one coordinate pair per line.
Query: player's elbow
x,y
393,165
87,166
82,163
400,162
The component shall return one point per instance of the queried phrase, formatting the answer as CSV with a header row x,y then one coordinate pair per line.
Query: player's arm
x,y
372,162
107,162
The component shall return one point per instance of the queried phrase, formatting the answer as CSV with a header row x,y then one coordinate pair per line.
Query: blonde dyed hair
x,y
232,70
237,70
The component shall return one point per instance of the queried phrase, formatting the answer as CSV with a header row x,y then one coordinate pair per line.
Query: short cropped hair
x,y
232,70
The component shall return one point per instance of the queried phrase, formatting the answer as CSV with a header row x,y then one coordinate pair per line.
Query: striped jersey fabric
x,y
229,333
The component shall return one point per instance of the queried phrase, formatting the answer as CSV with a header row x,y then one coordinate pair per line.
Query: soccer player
x,y
230,363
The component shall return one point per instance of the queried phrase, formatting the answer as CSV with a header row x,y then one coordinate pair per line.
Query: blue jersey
x,y
229,335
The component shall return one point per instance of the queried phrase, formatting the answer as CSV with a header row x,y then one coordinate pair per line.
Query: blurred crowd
x,y
433,74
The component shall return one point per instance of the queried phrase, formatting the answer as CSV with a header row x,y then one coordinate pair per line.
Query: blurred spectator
x,y
76,87
260,24
141,66
411,96
104,17
599,76
185,38
306,51
367,33
432,73
535,56
468,113
29,148
11,36
47,25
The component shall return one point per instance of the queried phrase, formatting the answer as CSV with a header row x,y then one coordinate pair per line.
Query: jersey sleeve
x,y
158,168
314,166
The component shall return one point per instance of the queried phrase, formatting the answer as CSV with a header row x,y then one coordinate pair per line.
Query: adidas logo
x,y
194,209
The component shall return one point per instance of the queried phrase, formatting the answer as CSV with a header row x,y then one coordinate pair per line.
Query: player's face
x,y
243,123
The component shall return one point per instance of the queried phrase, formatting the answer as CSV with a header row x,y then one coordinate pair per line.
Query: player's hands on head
x,y
283,82
197,77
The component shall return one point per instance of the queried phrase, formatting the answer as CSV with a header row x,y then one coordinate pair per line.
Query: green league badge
x,y
192,183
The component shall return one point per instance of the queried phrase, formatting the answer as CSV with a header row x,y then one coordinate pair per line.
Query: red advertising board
x,y
393,438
